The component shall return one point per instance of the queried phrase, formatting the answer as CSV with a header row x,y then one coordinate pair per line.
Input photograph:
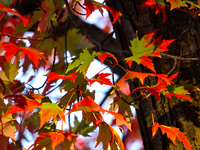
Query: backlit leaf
x,y
49,111
54,76
12,49
50,140
172,134
103,55
88,105
142,49
101,78
6,9
82,62
93,5
108,136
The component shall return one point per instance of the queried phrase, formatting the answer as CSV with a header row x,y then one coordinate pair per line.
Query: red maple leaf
x,y
12,49
101,78
88,105
172,134
158,5
141,76
6,9
52,138
54,76
103,55
92,5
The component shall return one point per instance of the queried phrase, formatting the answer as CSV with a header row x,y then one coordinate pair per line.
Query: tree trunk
x,y
176,112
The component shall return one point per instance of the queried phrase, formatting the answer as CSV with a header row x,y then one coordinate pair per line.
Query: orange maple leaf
x,y
52,138
49,111
109,137
172,134
88,105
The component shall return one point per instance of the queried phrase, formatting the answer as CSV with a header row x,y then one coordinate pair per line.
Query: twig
x,y
174,66
179,58
25,38
80,5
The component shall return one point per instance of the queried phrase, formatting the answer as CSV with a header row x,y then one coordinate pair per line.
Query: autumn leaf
x,y
172,134
177,3
108,136
93,5
47,16
50,140
82,62
6,9
141,76
12,49
101,78
177,91
24,104
54,76
88,105
103,55
142,49
156,4
7,127
49,111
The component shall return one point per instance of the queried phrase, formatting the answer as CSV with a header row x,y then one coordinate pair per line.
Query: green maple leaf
x,y
77,41
82,127
82,62
48,15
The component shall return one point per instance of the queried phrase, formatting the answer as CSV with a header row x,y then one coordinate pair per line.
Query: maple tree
x,y
137,56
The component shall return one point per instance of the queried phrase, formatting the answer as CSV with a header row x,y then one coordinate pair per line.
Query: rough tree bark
x,y
185,29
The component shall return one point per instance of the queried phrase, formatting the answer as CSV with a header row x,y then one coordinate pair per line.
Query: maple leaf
x,y
7,127
177,3
6,9
177,91
142,49
54,76
88,105
51,139
82,62
48,15
156,4
108,136
141,76
33,54
172,134
49,111
101,78
24,104
103,55
92,5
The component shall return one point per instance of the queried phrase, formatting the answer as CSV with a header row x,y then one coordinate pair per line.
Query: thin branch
x,y
179,58
78,12
80,5
174,66
25,38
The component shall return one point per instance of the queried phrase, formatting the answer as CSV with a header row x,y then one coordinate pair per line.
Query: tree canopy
x,y
58,30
